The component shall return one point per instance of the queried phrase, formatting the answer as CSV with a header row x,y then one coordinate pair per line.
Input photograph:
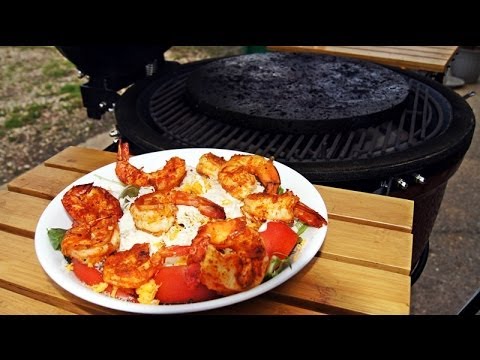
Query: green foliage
x,y
71,90
71,96
57,69
22,116
56,235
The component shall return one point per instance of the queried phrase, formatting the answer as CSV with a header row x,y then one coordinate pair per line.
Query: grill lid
x,y
296,93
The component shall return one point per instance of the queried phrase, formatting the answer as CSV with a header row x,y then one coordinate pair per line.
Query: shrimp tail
x,y
205,206
309,216
126,172
123,153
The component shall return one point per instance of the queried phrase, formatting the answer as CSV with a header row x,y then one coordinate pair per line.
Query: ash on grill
x,y
339,122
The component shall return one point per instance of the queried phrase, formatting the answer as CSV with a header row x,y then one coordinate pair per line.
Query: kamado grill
x,y
339,122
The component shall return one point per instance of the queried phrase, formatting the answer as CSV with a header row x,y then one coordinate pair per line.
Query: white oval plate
x,y
55,216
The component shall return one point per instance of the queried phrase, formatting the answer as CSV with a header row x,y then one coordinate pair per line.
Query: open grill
x,y
410,153
172,114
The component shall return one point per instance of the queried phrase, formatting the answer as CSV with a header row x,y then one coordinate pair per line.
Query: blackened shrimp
x,y
129,269
86,203
285,207
238,176
156,212
91,242
231,255
170,176
209,165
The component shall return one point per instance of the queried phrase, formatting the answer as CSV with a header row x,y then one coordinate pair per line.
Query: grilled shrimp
x,y
86,203
235,258
210,165
129,269
91,242
285,207
232,256
239,174
155,212
170,176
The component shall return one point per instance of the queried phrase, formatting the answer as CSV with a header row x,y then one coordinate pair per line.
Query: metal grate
x,y
422,119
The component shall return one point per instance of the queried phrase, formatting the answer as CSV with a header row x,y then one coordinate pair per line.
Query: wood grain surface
x,y
425,58
363,266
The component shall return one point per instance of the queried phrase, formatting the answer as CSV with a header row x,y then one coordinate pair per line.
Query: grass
x,y
58,69
23,116
72,90
41,104
71,97
55,81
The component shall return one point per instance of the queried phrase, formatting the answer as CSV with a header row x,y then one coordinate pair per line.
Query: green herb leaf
x,y
130,190
280,190
276,266
56,236
301,227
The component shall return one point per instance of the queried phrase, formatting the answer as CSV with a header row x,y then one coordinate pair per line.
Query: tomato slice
x,y
89,275
181,284
279,239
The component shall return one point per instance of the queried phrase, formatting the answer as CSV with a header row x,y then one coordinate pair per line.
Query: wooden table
x,y
362,268
433,59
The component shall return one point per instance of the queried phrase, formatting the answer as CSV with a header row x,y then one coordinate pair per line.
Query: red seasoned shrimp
x,y
285,207
156,212
129,269
238,176
91,242
232,256
86,203
170,176
235,259
210,165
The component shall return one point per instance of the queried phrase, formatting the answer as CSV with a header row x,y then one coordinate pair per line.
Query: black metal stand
x,y
420,265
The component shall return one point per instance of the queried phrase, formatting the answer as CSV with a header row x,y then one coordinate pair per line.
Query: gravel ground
x,y
41,110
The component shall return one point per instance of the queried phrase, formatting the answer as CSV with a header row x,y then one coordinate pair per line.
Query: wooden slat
x,y
377,53
383,55
355,286
81,159
369,209
386,249
42,181
20,272
412,53
445,52
333,286
261,306
399,60
19,213
15,304
369,246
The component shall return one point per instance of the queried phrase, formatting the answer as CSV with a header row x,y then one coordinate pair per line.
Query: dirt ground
x,y
41,110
